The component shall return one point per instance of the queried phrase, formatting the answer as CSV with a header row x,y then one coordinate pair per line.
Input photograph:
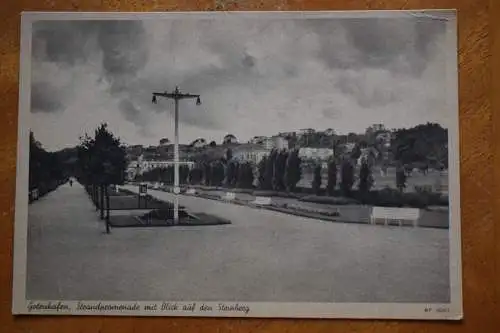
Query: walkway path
x,y
262,256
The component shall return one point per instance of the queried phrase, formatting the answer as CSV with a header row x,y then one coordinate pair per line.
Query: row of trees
x,y
279,171
47,169
425,145
101,162
347,178
422,146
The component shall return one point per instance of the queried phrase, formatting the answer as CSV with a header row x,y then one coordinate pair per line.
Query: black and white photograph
x,y
239,164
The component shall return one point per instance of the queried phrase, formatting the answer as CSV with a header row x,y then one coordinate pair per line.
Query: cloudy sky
x,y
256,76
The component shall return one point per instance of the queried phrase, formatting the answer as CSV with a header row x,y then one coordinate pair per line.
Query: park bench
x,y
392,215
262,201
191,191
228,196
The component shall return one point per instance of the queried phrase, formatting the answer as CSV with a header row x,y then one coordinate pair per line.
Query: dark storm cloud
x,y
64,42
367,95
133,114
129,110
330,112
377,42
248,61
121,46
245,69
125,51
45,98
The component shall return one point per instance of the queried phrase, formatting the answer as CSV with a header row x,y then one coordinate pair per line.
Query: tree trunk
x,y
101,203
95,196
107,210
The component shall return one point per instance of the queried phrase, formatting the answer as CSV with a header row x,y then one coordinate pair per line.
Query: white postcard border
x,y
20,305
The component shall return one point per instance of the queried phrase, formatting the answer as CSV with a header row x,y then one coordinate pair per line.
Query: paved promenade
x,y
262,256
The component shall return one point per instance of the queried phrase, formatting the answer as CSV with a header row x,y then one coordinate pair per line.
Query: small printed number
x,y
443,310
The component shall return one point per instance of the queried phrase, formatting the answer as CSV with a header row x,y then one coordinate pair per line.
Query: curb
x,y
301,214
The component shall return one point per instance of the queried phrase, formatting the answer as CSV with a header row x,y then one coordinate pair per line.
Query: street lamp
x,y
176,95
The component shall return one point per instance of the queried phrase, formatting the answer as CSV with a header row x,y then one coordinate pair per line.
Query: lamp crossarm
x,y
175,95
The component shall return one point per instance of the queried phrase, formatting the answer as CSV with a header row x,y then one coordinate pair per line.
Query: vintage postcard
x,y
239,164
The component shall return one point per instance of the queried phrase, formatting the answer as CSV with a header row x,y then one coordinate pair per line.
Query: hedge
x,y
384,198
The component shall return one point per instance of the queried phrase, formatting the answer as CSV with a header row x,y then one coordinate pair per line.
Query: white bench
x,y
388,214
191,191
262,201
228,196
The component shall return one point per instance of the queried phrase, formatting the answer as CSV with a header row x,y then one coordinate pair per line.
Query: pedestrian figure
x,y
71,182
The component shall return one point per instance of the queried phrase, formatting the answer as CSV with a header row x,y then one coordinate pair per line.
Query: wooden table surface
x,y
479,148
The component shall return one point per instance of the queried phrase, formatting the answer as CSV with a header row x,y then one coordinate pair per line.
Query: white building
x,y
316,154
385,138
258,140
275,142
305,131
250,153
141,166
367,154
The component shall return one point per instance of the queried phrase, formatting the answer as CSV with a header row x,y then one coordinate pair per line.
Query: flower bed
x,y
329,200
164,218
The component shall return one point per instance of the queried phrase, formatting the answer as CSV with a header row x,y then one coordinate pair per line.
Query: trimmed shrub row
x,y
384,198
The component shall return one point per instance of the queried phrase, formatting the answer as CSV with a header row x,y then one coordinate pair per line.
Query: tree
x,y
347,177
207,173
229,154
421,144
261,167
86,162
110,157
356,152
231,173
198,142
217,173
293,172
332,177
400,178
195,176
317,180
103,159
365,177
269,174
245,175
212,144
46,169
236,172
183,174
292,140
352,137
279,170
229,138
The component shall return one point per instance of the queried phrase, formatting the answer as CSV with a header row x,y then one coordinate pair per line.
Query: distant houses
x,y
315,147
141,166
250,152
316,154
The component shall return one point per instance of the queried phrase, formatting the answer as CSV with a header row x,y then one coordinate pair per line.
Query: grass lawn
x,y
127,200
164,218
